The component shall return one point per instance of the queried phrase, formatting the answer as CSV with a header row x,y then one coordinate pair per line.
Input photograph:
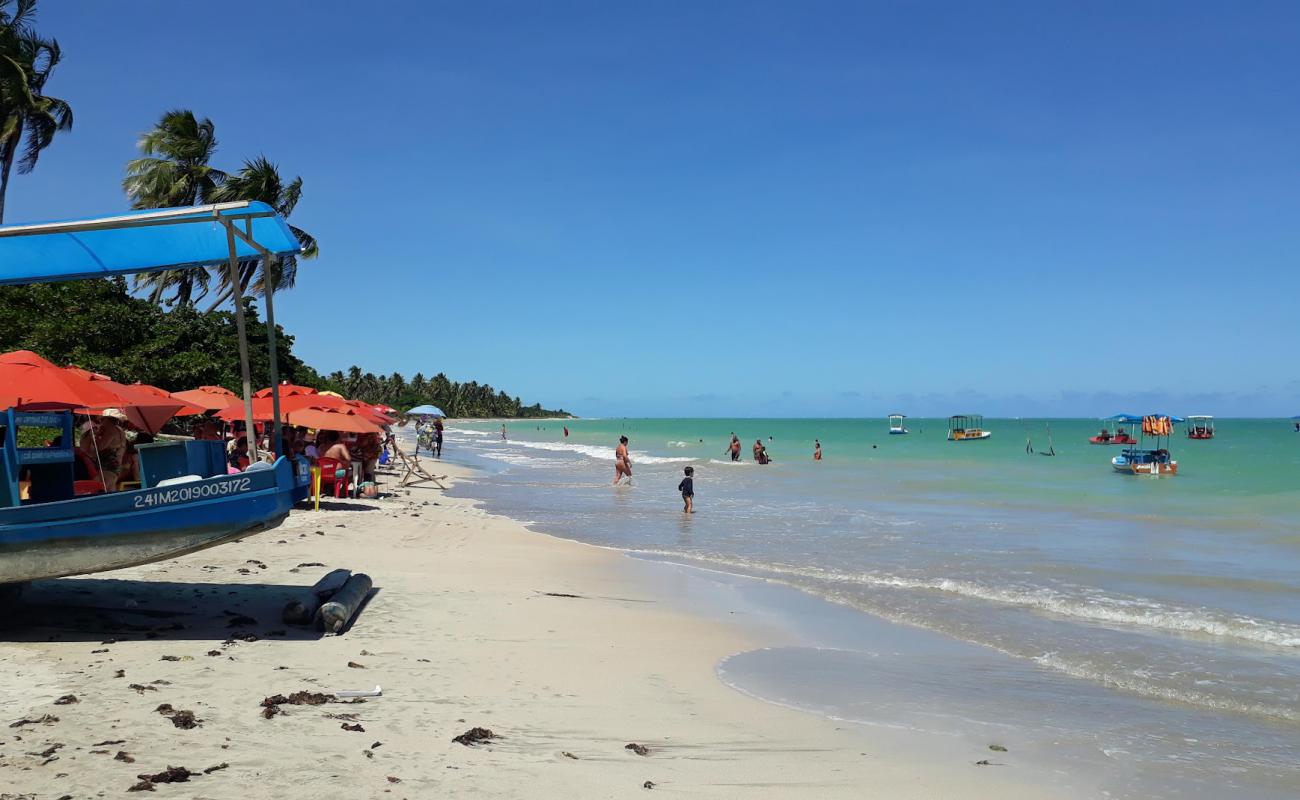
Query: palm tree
x,y
259,179
175,171
29,120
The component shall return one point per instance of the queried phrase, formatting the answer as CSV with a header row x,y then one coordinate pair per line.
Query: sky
x,y
747,208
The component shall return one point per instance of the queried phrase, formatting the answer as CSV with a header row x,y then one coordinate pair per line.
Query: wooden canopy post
x,y
238,296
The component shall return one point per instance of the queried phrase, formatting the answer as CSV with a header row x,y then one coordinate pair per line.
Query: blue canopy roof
x,y
1124,418
1128,419
139,241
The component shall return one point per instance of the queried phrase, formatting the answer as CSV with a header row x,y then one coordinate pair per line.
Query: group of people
x,y
428,434
344,448
623,465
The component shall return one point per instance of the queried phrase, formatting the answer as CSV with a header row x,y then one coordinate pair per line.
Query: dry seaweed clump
x,y
271,705
169,775
475,736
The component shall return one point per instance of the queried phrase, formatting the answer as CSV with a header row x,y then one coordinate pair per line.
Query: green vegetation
x,y
165,340
99,325
456,399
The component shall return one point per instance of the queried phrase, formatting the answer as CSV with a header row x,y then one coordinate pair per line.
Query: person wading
x,y
622,463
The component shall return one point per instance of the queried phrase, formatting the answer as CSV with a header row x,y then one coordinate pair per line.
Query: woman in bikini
x,y
622,464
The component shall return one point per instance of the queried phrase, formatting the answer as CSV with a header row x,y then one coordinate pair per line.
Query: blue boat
x,y
187,501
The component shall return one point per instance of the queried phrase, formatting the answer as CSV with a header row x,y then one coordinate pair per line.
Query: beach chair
x,y
413,474
329,476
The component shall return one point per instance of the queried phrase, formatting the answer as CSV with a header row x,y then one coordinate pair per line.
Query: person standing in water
x,y
503,432
817,450
687,488
622,463
735,447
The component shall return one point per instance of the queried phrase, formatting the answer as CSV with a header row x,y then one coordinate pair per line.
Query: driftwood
x,y
333,616
302,609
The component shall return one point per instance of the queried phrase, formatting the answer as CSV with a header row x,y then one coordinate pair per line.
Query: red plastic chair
x,y
93,484
329,476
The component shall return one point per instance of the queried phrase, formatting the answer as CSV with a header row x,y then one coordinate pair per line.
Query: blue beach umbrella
x,y
425,411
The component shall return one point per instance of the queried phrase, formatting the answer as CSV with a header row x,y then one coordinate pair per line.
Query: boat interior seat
x,y
180,479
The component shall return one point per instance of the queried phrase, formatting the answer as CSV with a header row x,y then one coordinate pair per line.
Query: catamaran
x,y
186,500
896,426
966,428
1154,461
1200,426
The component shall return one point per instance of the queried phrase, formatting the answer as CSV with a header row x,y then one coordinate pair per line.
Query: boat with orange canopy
x,y
1156,460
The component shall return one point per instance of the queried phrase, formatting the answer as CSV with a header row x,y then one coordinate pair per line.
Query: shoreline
x,y
461,633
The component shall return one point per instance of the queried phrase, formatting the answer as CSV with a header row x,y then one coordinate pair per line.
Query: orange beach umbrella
x,y
146,407
30,382
212,398
286,390
326,420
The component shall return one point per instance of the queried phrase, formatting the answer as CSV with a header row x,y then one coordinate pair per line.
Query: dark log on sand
x,y
334,615
301,610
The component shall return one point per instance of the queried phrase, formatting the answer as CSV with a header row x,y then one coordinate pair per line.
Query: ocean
x,y
1145,627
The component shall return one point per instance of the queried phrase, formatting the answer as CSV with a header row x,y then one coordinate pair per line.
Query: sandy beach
x,y
470,626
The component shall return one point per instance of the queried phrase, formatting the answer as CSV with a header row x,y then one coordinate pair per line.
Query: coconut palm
x,y
175,170
29,119
259,179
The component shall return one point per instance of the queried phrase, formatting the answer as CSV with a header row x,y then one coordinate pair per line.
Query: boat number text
x,y
183,494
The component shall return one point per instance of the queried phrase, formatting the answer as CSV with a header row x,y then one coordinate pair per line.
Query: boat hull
x,y
893,432
968,436
125,529
1139,466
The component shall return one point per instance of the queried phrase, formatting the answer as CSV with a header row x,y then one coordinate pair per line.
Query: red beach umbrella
x,y
286,390
147,408
323,419
30,382
212,398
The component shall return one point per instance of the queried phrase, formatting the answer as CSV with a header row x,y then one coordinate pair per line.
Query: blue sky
x,y
708,208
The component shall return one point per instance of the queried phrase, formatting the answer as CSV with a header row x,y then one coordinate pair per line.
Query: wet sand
x,y
471,624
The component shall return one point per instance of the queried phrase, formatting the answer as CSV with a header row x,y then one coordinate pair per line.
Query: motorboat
x,y
1123,425
1153,461
896,424
1200,426
967,428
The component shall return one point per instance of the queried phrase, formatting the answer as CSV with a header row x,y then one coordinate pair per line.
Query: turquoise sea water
x,y
1170,603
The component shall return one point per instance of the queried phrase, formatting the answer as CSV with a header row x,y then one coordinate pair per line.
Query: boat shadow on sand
x,y
102,609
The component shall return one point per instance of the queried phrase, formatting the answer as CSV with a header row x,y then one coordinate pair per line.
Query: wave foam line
x,y
1134,612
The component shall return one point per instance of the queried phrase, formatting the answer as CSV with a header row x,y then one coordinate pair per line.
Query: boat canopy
x,y
1198,417
141,241
1125,419
1132,419
155,240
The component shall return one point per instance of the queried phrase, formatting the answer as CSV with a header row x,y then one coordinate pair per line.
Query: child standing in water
x,y
687,488
817,450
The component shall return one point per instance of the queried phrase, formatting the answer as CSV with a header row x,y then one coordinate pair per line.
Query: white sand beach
x,y
460,633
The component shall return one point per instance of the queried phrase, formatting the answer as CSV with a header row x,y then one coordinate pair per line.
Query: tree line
x,y
154,331
101,326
